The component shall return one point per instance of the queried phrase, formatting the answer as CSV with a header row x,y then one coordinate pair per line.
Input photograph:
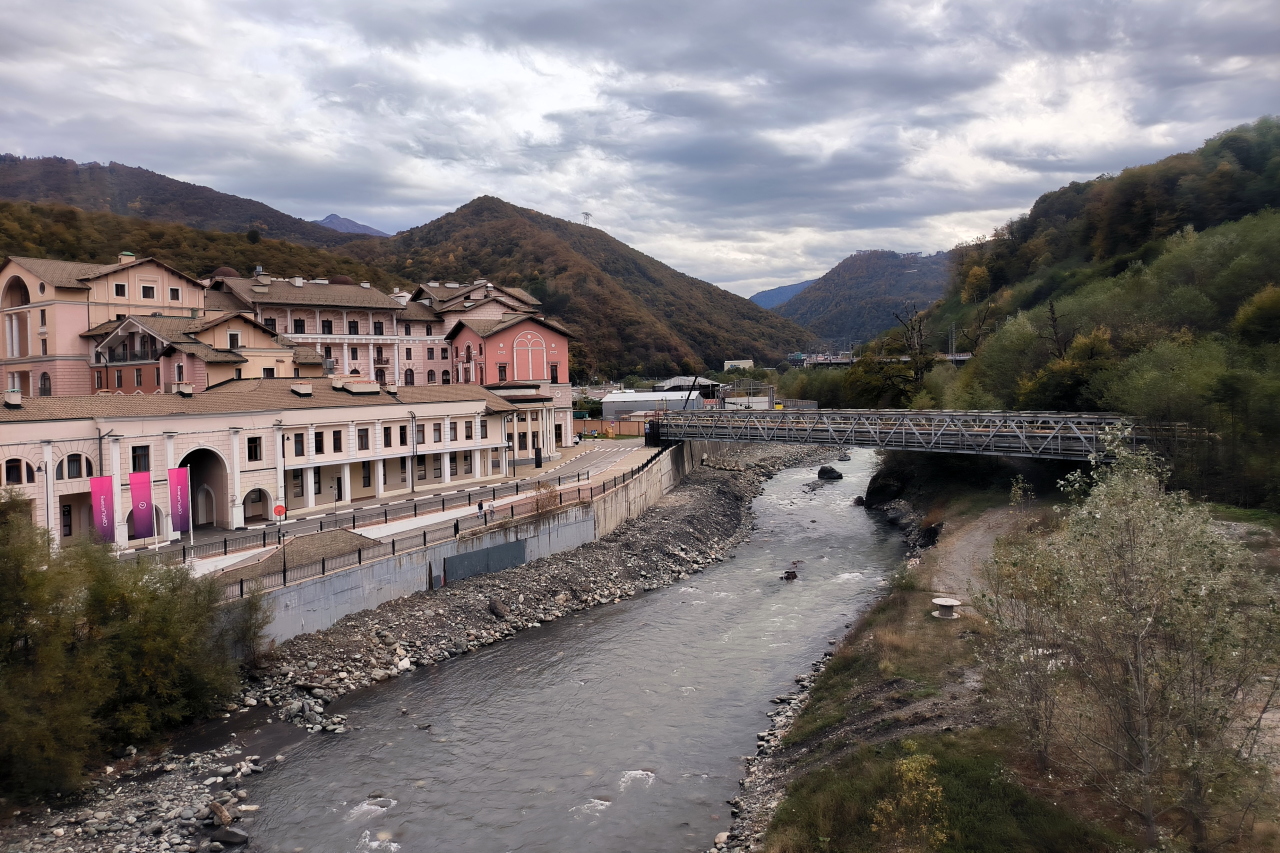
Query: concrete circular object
x,y
946,608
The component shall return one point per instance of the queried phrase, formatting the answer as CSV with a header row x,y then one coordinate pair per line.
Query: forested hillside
x,y
130,191
630,313
857,299
65,233
1152,293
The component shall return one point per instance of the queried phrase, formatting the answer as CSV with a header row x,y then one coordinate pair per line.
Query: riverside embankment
x,y
163,802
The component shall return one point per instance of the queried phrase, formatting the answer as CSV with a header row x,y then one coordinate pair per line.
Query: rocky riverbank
x,y
764,783
202,801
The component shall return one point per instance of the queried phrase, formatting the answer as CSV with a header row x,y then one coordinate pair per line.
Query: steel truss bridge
x,y
1039,435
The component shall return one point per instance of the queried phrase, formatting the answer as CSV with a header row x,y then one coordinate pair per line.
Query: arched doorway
x,y
380,376
408,376
15,294
210,503
46,385
157,522
257,505
444,377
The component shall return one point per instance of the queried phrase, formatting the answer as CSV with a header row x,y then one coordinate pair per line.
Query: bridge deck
x,y
1041,435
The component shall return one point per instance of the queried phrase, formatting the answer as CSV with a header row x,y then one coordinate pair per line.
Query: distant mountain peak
x,y
348,226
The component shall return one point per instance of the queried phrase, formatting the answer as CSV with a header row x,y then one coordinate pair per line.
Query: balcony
x,y
128,356
382,362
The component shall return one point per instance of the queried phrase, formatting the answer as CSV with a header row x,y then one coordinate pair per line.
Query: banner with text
x,y
180,499
104,508
143,513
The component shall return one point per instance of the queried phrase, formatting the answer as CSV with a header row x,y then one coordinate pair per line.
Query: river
x,y
621,728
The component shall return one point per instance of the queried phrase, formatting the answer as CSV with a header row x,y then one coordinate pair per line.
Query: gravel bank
x,y
169,802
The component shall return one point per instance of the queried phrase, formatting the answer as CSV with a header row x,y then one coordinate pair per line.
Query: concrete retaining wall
x,y
318,603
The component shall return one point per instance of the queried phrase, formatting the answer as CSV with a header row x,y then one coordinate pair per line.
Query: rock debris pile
x,y
170,803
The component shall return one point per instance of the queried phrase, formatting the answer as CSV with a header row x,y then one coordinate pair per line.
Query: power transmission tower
x,y
586,218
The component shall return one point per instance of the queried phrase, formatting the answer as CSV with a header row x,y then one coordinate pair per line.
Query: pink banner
x,y
180,499
143,513
104,508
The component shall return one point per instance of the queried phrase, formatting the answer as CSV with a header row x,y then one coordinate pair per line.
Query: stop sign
x,y
280,510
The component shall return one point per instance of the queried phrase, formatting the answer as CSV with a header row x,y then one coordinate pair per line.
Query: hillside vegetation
x,y
630,313
130,191
857,299
65,233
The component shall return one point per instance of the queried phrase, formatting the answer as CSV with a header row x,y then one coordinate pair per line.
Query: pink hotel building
x,y
473,380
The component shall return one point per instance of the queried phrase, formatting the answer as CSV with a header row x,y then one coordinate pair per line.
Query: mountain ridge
x,y
775,296
134,191
630,312
348,226
857,298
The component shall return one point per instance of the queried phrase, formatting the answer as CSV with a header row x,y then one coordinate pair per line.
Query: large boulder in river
x,y
826,472
886,486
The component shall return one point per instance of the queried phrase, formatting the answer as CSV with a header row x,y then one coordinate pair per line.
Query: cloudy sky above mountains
x,y
748,143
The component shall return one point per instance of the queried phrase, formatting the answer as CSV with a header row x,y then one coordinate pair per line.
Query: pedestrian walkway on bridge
x,y
1039,435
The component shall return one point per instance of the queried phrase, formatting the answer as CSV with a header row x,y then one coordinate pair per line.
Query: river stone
x,y
229,835
498,609
826,472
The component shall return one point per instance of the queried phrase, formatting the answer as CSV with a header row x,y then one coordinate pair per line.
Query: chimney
x,y
298,281
13,398
127,257
184,389
401,296
302,389
365,285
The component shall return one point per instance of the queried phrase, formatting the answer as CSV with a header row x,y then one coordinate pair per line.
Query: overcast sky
x,y
748,143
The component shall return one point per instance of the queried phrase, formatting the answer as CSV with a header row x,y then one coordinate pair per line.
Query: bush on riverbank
x,y
1136,650
979,809
96,653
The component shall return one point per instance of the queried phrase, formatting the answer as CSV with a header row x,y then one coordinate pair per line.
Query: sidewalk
x,y
461,486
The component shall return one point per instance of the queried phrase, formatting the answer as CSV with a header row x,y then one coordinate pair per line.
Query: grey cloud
x,y
709,119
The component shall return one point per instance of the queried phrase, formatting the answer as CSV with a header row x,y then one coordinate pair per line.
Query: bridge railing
x,y
1047,435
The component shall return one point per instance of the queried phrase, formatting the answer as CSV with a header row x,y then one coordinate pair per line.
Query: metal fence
x,y
535,505
366,517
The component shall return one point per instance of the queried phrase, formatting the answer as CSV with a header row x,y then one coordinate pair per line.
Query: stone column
x,y
280,498
54,527
309,485
346,481
122,528
237,507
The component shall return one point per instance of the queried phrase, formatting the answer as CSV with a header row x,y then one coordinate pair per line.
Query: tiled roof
x,y
60,273
241,395
220,300
485,328
102,329
77,275
206,353
303,354
309,295
418,311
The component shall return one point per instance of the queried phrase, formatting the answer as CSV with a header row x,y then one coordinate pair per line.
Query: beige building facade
x,y
250,446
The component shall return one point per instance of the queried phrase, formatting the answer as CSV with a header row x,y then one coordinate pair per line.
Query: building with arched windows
x,y
248,446
524,358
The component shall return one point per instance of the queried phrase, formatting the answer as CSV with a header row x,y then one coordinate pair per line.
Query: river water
x,y
618,729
